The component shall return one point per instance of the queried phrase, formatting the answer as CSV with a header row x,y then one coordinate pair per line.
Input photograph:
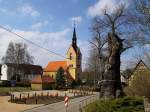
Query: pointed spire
x,y
74,38
74,34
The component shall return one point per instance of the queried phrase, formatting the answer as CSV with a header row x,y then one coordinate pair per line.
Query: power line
x,y
51,52
4,28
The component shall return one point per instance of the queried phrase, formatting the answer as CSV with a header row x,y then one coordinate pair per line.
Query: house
x,y
0,70
41,82
71,65
140,67
23,72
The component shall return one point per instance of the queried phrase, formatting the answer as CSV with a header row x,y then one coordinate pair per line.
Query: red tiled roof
x,y
40,79
55,65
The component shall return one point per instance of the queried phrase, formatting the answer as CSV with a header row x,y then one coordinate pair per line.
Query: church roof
x,y
55,65
74,34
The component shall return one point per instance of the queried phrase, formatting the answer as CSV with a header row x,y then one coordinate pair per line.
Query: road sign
x,y
66,101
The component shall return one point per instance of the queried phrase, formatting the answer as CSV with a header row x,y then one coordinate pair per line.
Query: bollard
x,y
47,94
20,96
28,95
35,94
51,95
15,99
25,100
42,94
11,98
36,100
56,94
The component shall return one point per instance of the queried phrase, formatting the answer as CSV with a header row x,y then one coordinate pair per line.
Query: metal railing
x,y
79,106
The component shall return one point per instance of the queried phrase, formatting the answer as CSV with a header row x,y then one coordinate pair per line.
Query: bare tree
x,y
17,53
114,34
97,54
141,17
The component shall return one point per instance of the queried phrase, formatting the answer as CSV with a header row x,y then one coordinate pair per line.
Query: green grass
x,y
6,90
126,104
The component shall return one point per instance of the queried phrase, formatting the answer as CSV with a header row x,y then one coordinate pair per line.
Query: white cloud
x,y
28,10
38,25
76,19
110,5
54,41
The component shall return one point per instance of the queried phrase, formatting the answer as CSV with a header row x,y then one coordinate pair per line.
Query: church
x,y
72,65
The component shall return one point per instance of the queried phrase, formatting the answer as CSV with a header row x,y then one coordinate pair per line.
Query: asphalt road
x,y
60,107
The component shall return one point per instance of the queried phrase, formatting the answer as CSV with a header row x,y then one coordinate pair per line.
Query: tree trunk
x,y
111,83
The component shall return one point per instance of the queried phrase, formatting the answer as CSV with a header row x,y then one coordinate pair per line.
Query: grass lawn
x,y
6,90
126,104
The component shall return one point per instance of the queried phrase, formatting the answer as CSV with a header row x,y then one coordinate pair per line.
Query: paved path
x,y
59,107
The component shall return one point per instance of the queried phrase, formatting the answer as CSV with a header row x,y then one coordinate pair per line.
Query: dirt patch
x,y
6,106
38,100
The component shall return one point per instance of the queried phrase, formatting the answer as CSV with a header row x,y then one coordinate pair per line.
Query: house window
x,y
70,56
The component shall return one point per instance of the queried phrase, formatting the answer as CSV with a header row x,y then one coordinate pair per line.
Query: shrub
x,y
5,83
23,84
126,104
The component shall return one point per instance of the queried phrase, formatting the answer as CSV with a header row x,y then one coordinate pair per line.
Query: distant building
x,y
72,64
41,82
25,72
140,67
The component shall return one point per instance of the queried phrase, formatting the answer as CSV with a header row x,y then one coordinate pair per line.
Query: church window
x,y
71,65
70,56
79,57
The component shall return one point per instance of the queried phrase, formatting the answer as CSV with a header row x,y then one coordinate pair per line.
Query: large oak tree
x,y
114,33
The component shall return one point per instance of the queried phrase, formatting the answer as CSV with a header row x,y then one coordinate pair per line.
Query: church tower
x,y
74,58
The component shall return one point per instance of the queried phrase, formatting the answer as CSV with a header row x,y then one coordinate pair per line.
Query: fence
x,y
32,96
146,104
79,106
81,92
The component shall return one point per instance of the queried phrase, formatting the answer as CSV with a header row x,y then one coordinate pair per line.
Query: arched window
x,y
70,56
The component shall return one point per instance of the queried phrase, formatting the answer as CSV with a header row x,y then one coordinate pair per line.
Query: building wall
x,y
4,74
51,74
72,63
139,69
36,86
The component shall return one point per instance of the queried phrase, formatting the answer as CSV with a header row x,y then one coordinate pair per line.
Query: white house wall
x,y
4,75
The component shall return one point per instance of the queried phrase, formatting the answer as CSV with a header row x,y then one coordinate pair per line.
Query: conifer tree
x,y
60,78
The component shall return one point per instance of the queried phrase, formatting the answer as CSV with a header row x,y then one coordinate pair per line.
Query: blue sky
x,y
49,23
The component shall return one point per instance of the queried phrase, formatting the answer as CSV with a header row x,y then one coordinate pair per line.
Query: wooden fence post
x,y
20,96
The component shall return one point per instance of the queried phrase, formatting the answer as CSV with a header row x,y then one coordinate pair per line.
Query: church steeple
x,y
74,38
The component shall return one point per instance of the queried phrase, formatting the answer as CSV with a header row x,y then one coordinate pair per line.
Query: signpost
x,y
66,102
